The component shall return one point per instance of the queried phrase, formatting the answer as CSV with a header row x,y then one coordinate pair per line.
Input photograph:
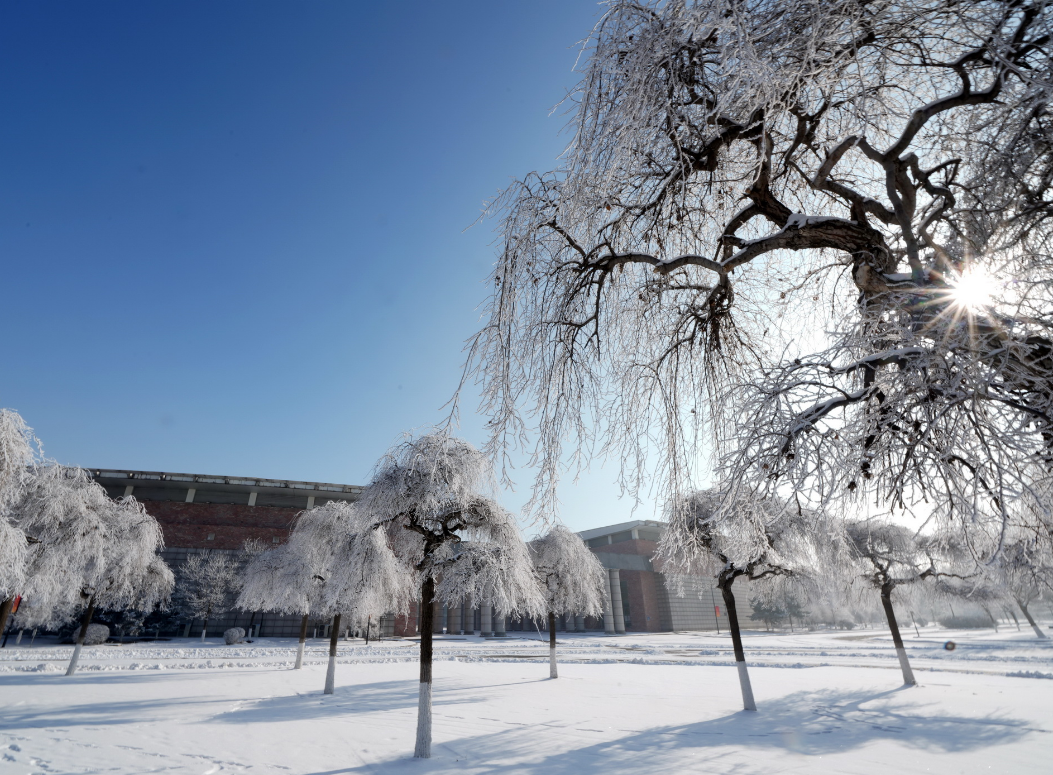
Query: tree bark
x,y
84,622
5,611
724,581
1031,620
422,750
330,673
204,624
901,652
303,639
552,672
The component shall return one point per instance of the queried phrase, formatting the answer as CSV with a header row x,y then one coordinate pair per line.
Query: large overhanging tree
x,y
750,183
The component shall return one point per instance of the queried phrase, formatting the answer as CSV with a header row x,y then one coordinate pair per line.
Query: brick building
x,y
201,512
198,512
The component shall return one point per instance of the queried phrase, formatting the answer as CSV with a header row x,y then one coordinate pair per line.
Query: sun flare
x,y
972,289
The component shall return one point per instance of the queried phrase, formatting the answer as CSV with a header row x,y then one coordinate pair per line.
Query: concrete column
x,y
252,498
608,607
453,619
128,489
616,601
500,628
190,495
436,618
579,624
486,625
310,501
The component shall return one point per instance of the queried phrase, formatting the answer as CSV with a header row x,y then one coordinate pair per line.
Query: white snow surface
x,y
828,702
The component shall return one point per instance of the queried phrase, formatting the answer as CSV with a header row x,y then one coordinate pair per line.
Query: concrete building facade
x,y
199,512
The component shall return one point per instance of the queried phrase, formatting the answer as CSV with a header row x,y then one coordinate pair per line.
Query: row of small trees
x,y
426,530
725,534
66,547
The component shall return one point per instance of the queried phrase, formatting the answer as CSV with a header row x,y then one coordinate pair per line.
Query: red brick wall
x,y
643,600
187,525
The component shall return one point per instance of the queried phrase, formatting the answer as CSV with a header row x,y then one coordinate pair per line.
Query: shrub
x,y
97,633
233,635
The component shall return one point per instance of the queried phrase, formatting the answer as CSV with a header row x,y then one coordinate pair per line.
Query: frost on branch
x,y
747,178
87,549
212,581
19,451
433,495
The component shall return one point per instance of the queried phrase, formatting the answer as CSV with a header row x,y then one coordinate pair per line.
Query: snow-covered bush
x,y
233,635
96,634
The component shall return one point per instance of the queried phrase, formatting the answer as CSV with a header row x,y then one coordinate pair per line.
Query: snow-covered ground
x,y
828,703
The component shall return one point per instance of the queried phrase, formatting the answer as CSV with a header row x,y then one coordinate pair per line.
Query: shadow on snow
x,y
807,723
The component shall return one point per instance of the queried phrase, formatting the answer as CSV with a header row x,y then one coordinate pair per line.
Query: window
x,y
211,537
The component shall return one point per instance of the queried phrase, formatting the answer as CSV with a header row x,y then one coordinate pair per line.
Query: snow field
x,y
620,705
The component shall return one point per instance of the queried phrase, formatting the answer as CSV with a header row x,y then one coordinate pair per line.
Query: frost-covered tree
x,y
19,452
330,567
814,235
1023,572
571,577
731,536
212,580
129,574
433,496
275,580
887,556
86,551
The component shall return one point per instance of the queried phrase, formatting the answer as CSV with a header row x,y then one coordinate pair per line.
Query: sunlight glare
x,y
972,289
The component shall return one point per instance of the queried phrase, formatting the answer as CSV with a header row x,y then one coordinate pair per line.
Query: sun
x,y
972,289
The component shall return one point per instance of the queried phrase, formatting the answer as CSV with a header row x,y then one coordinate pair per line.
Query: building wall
x,y
190,525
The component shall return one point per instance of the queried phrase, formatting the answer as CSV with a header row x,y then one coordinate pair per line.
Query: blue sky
x,y
235,234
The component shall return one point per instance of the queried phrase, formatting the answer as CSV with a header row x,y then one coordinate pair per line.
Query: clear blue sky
x,y
233,234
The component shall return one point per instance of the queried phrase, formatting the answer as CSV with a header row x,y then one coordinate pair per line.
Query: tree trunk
x,y
330,673
422,750
5,611
552,672
904,663
1015,620
204,624
725,582
303,639
369,619
990,616
84,622
1031,620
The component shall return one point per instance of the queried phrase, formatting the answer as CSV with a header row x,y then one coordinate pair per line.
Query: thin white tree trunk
x,y
73,661
748,702
422,749
904,665
552,672
330,675
303,639
203,635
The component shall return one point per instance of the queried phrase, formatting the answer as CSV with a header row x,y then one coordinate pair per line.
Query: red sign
x,y
717,609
